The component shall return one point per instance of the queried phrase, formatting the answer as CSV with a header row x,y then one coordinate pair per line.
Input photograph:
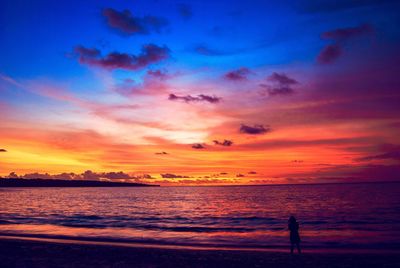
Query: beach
x,y
20,252
212,227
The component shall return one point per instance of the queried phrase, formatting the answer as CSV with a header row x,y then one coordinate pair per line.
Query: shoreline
x,y
205,247
28,252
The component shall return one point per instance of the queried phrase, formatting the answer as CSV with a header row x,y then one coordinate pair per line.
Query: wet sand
x,y
15,252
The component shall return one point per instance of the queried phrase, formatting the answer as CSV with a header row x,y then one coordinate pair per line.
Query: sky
x,y
200,92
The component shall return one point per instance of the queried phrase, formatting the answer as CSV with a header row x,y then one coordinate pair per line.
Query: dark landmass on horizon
x,y
10,182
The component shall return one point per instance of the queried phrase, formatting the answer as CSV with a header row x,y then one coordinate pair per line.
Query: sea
x,y
359,215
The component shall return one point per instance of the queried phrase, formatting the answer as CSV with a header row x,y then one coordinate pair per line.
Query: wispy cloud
x,y
172,176
207,51
391,152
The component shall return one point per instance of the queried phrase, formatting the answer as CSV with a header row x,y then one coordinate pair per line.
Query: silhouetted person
x,y
294,234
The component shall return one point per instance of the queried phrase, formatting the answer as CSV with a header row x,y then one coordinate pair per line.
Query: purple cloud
x,y
126,23
281,84
254,130
223,143
199,98
340,36
150,54
329,54
282,79
238,75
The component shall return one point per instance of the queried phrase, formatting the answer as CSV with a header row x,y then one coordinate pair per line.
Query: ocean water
x,y
330,215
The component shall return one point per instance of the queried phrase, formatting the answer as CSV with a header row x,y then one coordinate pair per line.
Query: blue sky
x,y
162,75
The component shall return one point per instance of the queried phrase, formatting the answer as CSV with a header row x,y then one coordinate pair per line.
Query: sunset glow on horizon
x,y
200,93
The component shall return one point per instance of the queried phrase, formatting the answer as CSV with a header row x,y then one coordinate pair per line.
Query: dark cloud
x,y
280,84
172,176
90,175
126,23
251,172
199,98
326,6
254,130
223,173
329,54
340,36
198,146
223,143
87,175
161,153
145,176
3,150
238,75
149,54
297,161
239,175
185,11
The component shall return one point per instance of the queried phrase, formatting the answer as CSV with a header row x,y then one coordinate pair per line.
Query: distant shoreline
x,y
10,182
